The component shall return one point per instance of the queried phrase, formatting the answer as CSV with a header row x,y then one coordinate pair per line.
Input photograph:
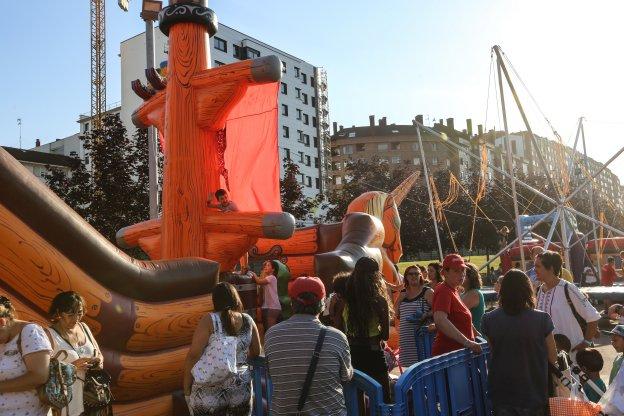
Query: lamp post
x,y
149,13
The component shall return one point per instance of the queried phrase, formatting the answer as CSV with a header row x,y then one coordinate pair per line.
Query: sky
x,y
396,59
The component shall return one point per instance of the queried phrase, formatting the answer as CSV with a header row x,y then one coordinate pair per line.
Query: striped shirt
x,y
288,347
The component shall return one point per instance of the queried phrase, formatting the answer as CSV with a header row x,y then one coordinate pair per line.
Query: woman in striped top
x,y
413,308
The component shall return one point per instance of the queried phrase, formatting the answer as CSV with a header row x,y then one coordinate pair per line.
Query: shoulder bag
x,y
582,322
96,392
311,370
57,391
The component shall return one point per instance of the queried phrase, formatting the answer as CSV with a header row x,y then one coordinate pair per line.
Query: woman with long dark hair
x,y
522,344
233,395
367,320
472,296
413,308
434,274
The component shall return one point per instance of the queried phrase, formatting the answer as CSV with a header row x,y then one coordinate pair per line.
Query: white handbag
x,y
218,361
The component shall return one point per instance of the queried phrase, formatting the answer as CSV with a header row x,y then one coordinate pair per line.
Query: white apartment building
x,y
303,112
39,163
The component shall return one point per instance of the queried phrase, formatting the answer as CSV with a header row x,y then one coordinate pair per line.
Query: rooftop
x,y
40,157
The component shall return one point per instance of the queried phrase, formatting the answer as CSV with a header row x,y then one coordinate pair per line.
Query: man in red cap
x,y
289,348
452,318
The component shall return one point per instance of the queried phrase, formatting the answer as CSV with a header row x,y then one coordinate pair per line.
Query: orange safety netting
x,y
252,152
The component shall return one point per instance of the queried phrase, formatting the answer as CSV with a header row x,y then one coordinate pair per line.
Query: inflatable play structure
x,y
218,130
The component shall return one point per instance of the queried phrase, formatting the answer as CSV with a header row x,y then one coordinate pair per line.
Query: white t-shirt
x,y
271,301
612,401
554,303
12,366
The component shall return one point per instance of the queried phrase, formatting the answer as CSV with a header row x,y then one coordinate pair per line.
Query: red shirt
x,y
446,299
608,275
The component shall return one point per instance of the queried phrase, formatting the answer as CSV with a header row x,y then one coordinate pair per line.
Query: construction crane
x,y
98,62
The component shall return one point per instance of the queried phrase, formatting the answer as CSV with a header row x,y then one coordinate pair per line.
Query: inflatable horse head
x,y
384,207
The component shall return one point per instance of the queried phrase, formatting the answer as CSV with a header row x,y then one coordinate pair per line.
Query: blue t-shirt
x,y
518,369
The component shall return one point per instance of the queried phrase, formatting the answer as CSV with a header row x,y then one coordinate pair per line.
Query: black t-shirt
x,y
518,369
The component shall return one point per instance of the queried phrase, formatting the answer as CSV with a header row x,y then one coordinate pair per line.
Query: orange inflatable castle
x,y
218,130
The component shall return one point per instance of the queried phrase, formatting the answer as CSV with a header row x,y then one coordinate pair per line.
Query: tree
x,y
293,199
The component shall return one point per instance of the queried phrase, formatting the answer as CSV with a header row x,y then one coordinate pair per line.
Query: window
x,y
220,44
252,53
434,160
313,121
514,150
395,146
302,178
338,180
298,92
314,102
306,140
312,82
283,67
300,157
352,134
286,154
308,182
300,134
382,146
86,128
306,119
285,132
434,147
415,147
237,52
347,149
304,97
336,166
360,147
86,160
304,78
284,88
299,114
316,142
416,161
318,183
395,132
316,162
166,46
284,110
396,159
308,160
297,72
219,63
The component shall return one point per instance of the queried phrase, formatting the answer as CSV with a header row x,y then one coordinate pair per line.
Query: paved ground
x,y
608,354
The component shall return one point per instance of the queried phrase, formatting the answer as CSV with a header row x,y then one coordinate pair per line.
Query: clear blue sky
x,y
394,59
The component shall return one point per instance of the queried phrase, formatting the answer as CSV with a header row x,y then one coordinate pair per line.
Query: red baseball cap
x,y
453,261
305,284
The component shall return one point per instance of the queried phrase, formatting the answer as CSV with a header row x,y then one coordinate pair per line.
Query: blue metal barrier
x,y
450,384
424,342
361,383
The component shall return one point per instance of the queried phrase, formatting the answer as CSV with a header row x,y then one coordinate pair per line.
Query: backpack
x,y
56,392
218,361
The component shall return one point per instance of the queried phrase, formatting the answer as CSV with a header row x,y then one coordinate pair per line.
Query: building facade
x,y
303,123
39,163
398,145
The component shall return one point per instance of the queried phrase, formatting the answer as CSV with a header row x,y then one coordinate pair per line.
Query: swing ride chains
x,y
560,202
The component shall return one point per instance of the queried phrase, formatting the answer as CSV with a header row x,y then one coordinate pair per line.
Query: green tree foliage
x,y
114,192
293,199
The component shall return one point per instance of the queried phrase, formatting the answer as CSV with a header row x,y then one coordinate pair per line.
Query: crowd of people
x,y
537,321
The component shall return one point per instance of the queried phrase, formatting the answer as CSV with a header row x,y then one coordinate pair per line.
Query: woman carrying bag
x,y
23,364
217,379
74,337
